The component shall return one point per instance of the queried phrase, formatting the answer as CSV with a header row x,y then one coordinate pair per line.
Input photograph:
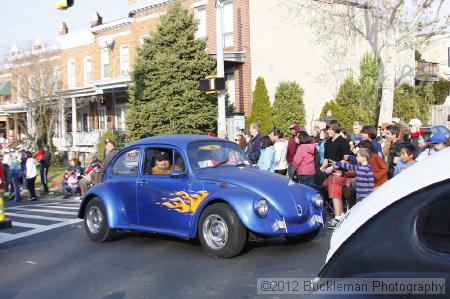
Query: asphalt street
x,y
62,262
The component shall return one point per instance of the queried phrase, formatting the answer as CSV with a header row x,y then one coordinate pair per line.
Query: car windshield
x,y
206,154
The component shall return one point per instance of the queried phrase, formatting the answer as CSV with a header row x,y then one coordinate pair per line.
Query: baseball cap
x,y
415,122
437,137
162,155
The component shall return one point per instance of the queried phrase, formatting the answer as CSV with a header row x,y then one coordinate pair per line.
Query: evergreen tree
x,y
406,103
349,103
261,110
288,107
441,91
164,94
369,91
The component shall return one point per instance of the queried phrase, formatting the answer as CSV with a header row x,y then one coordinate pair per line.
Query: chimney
x,y
14,50
96,19
37,44
63,29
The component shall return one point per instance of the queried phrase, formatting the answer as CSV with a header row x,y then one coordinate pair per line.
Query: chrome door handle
x,y
142,182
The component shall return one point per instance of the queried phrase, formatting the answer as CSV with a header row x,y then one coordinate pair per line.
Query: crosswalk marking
x,y
35,217
39,210
63,207
31,225
29,212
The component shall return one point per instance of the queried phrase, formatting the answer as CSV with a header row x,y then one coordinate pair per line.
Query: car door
x,y
122,178
163,199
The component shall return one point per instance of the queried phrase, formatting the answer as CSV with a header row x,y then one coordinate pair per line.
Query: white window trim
x,y
80,113
199,3
143,38
195,8
103,63
86,81
105,123
71,84
57,77
124,72
116,117
228,33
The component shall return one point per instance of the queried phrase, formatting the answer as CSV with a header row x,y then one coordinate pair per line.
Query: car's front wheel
x,y
96,222
303,237
221,232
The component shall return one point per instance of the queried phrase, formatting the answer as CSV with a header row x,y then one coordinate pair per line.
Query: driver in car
x,y
162,163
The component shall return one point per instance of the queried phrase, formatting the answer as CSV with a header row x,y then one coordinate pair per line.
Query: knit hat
x,y
415,122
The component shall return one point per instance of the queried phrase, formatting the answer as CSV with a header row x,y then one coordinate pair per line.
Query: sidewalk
x,y
54,194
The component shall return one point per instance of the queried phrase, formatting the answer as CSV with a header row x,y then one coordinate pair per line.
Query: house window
x,y
228,23
19,90
143,38
71,73
124,60
448,56
200,16
87,70
231,88
120,110
105,63
83,120
30,87
57,77
102,119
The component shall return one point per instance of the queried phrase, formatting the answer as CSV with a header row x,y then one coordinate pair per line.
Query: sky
x,y
22,21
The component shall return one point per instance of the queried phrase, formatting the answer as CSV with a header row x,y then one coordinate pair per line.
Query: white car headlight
x,y
318,200
262,207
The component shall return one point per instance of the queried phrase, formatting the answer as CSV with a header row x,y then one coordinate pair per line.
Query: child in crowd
x,y
425,149
406,158
364,173
303,163
438,141
72,173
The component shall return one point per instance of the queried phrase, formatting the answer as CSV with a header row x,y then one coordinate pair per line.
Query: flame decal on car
x,y
183,202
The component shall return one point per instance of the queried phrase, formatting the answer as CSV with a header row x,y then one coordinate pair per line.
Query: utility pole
x,y
221,120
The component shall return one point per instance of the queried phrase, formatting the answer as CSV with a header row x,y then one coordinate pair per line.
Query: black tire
x,y
303,237
236,236
105,233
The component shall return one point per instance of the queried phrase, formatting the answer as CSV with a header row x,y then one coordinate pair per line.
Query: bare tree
x,y
388,26
36,82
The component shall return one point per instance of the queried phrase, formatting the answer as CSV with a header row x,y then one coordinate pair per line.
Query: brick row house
x,y
93,69
260,39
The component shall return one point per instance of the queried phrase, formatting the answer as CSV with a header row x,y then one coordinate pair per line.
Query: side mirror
x,y
448,117
177,174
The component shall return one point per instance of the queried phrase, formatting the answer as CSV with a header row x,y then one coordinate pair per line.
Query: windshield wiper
x,y
241,164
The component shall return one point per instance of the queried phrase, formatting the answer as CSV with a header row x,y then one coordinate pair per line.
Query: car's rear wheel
x,y
303,237
221,232
96,222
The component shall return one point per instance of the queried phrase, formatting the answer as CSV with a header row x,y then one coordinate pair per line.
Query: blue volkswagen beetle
x,y
191,186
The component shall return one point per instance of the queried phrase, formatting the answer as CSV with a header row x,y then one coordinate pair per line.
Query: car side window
x,y
161,161
433,225
127,163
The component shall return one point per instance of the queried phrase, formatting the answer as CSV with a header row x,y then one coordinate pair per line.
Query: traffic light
x,y
64,4
212,85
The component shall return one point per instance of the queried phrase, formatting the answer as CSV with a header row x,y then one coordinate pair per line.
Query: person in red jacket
x,y
303,163
292,148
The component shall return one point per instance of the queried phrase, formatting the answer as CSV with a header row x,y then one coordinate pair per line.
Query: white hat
x,y
415,122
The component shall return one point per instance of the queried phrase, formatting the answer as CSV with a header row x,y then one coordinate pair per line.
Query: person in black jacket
x,y
45,165
254,147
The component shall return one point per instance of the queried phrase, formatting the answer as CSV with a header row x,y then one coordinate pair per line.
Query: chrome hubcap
x,y
215,232
94,219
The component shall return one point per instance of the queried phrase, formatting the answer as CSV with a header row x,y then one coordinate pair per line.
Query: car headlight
x,y
262,207
318,200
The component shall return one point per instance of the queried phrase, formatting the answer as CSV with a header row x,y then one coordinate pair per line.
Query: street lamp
x,y
221,121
